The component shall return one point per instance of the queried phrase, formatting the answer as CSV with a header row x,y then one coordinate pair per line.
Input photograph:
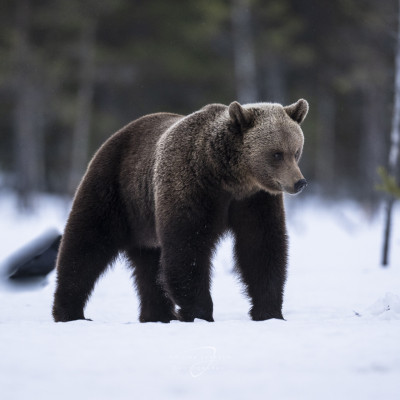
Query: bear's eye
x,y
278,156
297,155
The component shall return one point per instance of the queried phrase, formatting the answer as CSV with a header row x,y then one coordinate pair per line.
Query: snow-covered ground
x,y
341,339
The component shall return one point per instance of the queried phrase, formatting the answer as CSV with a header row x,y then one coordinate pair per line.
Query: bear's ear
x,y
240,117
297,111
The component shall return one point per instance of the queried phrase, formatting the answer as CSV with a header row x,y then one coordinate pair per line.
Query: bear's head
x,y
272,143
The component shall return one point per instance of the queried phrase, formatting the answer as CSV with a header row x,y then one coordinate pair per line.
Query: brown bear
x,y
165,188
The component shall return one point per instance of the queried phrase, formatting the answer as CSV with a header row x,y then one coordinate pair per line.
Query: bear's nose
x,y
300,185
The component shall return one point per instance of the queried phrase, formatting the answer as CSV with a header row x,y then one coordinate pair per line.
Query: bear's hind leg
x,y
155,306
81,261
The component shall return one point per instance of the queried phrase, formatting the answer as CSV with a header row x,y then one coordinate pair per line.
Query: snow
x,y
340,339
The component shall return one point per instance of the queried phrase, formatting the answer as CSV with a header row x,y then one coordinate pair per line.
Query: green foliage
x,y
389,184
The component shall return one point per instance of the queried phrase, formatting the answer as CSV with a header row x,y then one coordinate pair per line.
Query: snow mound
x,y
386,307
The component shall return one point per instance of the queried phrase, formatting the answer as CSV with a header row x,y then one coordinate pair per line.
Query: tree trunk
x,y
28,145
243,48
394,149
274,82
372,149
81,133
325,161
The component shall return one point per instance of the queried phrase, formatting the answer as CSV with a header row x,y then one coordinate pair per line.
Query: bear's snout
x,y
300,185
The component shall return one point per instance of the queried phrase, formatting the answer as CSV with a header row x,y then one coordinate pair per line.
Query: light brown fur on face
x,y
274,146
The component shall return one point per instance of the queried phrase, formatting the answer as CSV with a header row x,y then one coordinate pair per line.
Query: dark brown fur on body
x,y
165,188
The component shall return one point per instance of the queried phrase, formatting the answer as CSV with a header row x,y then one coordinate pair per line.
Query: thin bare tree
x,y
81,132
28,110
394,149
243,47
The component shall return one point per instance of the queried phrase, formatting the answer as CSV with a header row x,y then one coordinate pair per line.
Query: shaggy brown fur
x,y
165,188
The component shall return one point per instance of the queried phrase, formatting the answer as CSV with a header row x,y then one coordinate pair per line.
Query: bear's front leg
x,y
187,245
258,224
155,306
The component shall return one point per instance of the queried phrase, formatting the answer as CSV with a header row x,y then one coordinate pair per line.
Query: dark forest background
x,y
72,72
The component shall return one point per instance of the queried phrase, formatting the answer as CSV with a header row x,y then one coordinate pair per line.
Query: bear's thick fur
x,y
165,188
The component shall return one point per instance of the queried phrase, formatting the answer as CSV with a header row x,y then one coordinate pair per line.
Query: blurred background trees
x,y
73,72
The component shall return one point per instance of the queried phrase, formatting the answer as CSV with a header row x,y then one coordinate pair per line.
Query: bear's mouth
x,y
275,187
290,190
286,189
